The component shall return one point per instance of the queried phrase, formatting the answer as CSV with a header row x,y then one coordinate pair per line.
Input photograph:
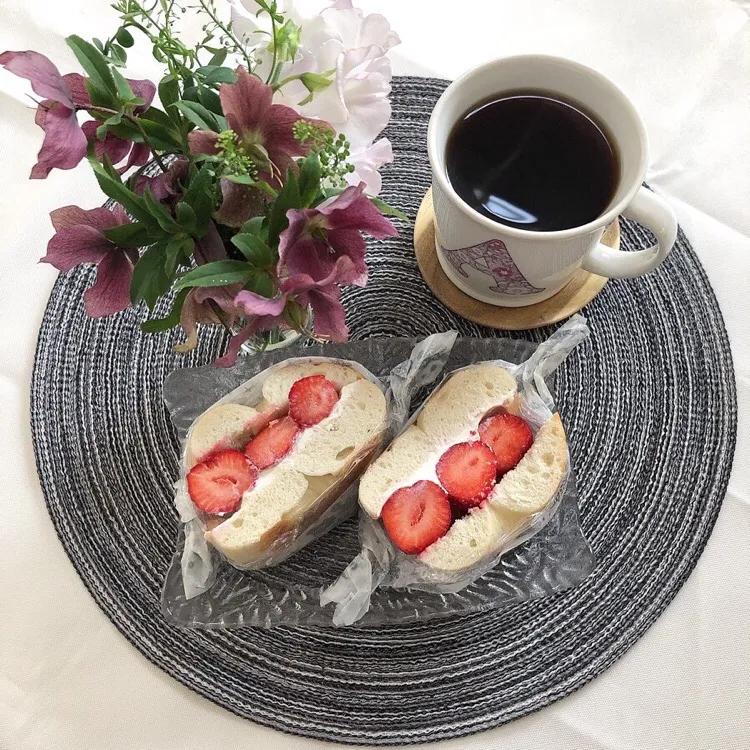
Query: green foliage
x,y
218,273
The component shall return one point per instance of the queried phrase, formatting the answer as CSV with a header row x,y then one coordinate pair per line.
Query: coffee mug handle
x,y
654,212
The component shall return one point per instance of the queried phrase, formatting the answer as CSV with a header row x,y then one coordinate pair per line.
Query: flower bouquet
x,y
245,194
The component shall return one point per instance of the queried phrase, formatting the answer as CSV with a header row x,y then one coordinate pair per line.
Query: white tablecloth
x,y
68,680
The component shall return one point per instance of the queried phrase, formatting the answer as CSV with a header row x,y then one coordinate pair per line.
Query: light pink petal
x,y
239,203
111,292
202,141
64,142
329,317
254,304
210,247
76,84
112,146
145,90
245,102
44,76
70,246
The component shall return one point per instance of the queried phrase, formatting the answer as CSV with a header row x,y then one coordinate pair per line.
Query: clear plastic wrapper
x,y
381,564
289,593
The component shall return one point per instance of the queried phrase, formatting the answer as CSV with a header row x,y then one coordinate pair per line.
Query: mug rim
x,y
497,227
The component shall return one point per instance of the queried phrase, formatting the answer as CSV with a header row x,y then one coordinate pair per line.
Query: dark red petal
x,y
72,245
43,74
245,103
64,142
111,291
202,142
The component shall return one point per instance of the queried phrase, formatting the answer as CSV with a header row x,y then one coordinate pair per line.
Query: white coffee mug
x,y
513,267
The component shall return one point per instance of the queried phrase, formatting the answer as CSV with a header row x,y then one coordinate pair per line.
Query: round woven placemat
x,y
650,408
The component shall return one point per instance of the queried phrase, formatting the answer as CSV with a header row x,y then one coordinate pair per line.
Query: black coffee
x,y
529,160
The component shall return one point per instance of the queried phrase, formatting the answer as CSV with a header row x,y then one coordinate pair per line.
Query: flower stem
x,y
272,72
207,7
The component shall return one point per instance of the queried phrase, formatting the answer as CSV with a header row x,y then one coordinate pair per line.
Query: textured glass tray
x,y
554,559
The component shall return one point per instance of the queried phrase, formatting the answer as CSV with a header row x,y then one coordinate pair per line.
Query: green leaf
x,y
124,37
95,64
219,273
309,180
117,55
134,234
201,117
169,91
388,210
261,283
186,216
123,87
288,198
160,213
150,280
254,226
240,179
200,197
178,251
218,57
157,325
266,188
217,74
130,201
254,249
210,100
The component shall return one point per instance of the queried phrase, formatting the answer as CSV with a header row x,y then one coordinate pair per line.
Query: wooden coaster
x,y
579,291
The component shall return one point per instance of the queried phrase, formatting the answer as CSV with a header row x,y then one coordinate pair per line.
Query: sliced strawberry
x,y
509,437
417,516
272,443
467,472
217,484
312,399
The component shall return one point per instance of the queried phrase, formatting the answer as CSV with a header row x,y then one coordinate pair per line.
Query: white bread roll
x,y
325,459
225,426
530,485
450,415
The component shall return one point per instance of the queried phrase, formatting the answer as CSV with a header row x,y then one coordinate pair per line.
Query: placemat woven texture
x,y
650,408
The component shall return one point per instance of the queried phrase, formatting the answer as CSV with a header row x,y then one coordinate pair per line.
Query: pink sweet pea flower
x,y
80,239
64,142
317,237
265,131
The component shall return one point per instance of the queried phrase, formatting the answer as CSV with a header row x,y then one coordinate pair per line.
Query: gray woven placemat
x,y
650,408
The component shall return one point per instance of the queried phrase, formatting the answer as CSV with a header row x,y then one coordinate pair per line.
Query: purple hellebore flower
x,y
317,238
80,239
166,186
65,140
264,130
323,296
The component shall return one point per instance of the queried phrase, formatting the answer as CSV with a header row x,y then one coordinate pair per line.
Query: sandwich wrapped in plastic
x,y
203,590
479,536
308,492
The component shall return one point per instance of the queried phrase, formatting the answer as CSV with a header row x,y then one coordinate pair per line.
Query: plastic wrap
x,y
199,557
381,564
554,559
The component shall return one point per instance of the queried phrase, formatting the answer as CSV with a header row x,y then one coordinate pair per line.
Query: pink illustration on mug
x,y
492,258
